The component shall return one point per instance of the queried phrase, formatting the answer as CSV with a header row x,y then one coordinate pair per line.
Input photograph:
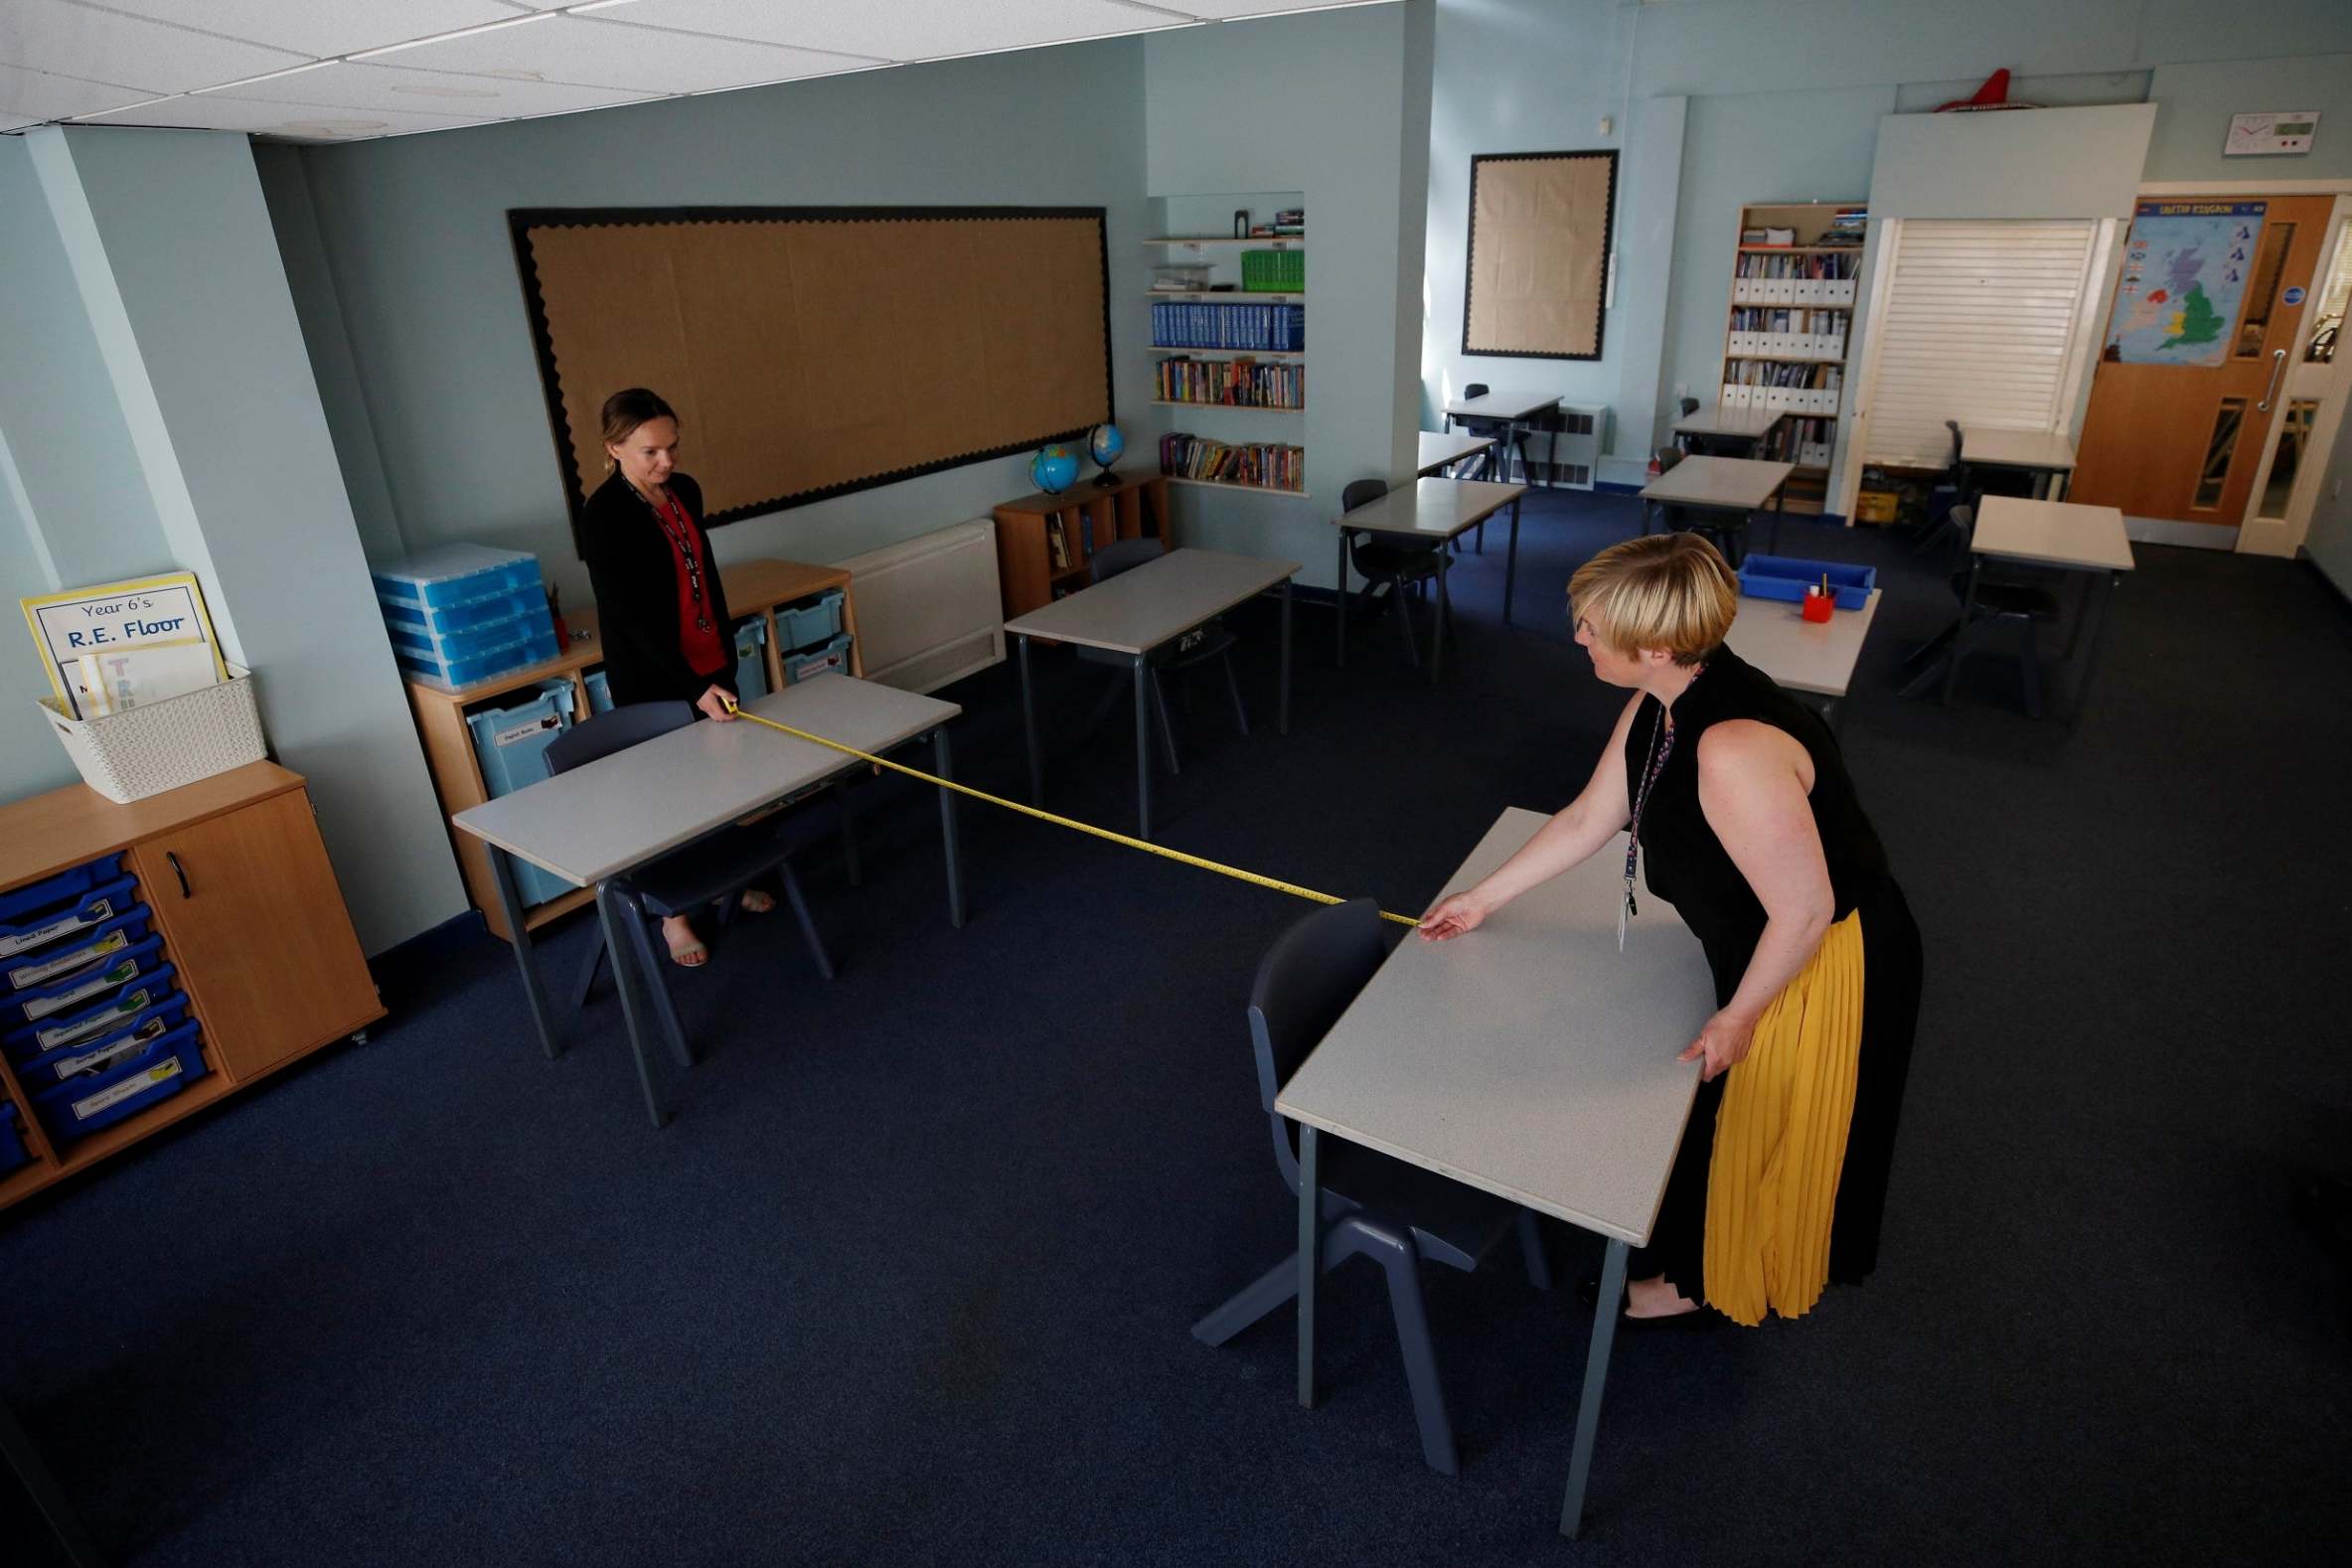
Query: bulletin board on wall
x,y
811,352
1537,271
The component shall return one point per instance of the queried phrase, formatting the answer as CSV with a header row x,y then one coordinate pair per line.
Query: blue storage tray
x,y
16,907
599,693
456,575
832,659
751,659
532,625
80,1106
809,622
458,673
108,1050
68,995
56,921
503,605
1787,577
47,965
12,1143
104,1016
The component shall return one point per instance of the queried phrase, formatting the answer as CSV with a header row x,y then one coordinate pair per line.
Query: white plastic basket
x,y
156,747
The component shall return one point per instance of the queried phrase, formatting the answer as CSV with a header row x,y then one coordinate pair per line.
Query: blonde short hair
x,y
1664,590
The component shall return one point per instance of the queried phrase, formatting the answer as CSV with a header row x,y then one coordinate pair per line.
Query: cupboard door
x,y
251,915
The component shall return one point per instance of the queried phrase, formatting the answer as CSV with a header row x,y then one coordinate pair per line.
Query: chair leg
x,y
848,831
1404,626
1539,1270
808,926
584,987
656,967
2029,666
1252,1302
1400,1261
1233,689
1932,647
1166,728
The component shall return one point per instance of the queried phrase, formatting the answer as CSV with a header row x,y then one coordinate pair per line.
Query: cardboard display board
x,y
1538,262
812,352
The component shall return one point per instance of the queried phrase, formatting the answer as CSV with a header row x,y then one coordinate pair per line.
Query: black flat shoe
x,y
1588,1291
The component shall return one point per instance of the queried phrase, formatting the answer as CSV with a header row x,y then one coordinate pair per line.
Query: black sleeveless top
x,y
1684,861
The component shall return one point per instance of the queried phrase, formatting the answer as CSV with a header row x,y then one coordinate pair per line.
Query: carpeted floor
x,y
908,1280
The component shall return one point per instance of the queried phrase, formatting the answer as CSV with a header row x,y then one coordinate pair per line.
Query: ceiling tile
x,y
294,122
32,96
320,29
101,46
360,85
607,55
904,30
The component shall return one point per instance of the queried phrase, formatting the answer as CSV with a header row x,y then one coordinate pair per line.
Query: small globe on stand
x,y
1104,443
1052,469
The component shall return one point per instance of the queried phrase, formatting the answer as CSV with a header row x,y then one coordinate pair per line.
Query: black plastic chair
x,y
1969,489
1397,563
1214,642
717,868
1370,1205
1998,600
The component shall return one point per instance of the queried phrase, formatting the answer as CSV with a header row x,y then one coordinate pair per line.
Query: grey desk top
x,y
1730,482
1439,450
2053,534
620,811
2017,449
1433,508
1802,655
1530,1058
1138,610
1720,421
1504,404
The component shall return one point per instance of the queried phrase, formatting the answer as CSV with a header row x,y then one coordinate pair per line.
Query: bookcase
x,y
1789,325
1044,541
1229,342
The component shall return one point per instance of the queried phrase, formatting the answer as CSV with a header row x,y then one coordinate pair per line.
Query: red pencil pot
x,y
1817,605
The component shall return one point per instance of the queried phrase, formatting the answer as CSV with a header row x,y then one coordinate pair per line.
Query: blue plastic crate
x,y
95,1019
486,611
456,675
17,906
810,622
456,575
510,740
78,1107
47,964
1787,577
533,625
70,993
12,1143
108,1050
84,908
599,693
751,659
832,659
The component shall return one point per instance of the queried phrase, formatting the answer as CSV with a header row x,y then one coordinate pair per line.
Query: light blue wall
x,y
413,235
2330,539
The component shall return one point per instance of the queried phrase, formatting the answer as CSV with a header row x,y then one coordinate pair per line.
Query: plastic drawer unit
x,y
455,575
68,992
109,1049
510,740
13,1151
751,659
832,659
599,693
809,622
78,1107
93,1018
38,923
53,961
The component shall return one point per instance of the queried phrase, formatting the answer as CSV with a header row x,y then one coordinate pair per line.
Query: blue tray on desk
x,y
1788,576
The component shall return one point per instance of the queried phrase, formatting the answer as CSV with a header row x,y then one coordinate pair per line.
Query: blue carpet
x,y
908,1280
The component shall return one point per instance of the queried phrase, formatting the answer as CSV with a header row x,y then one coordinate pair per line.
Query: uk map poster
x,y
2184,274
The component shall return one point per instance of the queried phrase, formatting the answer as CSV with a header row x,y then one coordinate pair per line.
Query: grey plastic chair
x,y
1215,642
1370,1205
1397,563
1998,601
686,882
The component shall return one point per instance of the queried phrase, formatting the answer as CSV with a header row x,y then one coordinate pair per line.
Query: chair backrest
x,y
1963,518
1304,982
1690,407
617,731
1667,457
1475,389
1362,492
1954,426
1125,555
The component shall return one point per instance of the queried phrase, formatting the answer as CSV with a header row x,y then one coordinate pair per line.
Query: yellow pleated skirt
x,y
1780,1140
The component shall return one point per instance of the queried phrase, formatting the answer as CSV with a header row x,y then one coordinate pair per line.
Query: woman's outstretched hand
x,y
1722,1042
1452,918
716,704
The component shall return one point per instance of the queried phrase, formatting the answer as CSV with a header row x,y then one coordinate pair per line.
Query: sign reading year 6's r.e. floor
x,y
117,616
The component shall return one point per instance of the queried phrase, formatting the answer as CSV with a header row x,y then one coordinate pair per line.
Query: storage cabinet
x,y
1045,543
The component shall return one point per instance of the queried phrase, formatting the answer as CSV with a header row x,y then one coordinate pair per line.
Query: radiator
x,y
1573,448
928,610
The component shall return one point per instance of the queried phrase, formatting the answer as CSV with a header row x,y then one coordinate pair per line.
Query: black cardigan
x,y
634,574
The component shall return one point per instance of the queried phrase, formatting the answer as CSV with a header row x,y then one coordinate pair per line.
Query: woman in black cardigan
x,y
661,608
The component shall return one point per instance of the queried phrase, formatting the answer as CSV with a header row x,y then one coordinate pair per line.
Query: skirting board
x,y
2196,535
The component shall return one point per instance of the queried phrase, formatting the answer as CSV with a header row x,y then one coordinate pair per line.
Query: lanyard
x,y
1662,746
683,540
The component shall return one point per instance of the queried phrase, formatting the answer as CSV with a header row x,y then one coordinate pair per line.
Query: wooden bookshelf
x,y
1223,296
1133,506
1169,351
1821,309
1227,484
1210,241
1238,407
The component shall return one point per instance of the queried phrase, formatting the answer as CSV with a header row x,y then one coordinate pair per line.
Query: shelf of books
x,y
1273,467
1273,387
1794,276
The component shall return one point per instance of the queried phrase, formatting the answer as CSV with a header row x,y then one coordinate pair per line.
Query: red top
x,y
700,638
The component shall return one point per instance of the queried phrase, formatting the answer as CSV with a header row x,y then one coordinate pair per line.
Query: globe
x,y
1104,445
1052,469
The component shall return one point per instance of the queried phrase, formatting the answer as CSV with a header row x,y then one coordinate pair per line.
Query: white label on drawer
x,y
102,1060
42,974
115,1095
538,727
95,1025
113,977
96,914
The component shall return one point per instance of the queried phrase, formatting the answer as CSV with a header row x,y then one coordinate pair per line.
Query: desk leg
x,y
625,980
1437,641
1028,724
510,903
1340,598
1780,510
1646,509
1510,561
1960,643
954,851
1143,750
2107,605
1310,1259
1595,1373
1283,724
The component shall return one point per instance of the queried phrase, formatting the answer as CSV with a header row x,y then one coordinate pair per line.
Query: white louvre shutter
x,y
1979,325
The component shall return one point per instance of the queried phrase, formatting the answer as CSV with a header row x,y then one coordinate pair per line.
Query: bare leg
x,y
1654,1297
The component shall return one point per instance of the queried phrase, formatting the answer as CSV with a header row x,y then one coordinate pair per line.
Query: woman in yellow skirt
x,y
1745,821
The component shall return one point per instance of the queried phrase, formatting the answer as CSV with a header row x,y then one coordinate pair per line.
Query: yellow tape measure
x,y
1235,871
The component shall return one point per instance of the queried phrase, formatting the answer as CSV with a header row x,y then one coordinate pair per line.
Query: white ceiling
x,y
322,70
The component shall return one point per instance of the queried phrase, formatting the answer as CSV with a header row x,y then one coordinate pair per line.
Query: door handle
x,y
2277,364
179,870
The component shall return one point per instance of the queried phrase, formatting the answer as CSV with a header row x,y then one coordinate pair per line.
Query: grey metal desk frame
x,y
1751,425
595,823
1511,412
1737,485
1530,1060
1460,505
1137,613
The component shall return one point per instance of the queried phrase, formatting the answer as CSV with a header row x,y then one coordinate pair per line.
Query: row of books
x,y
1240,383
1788,334
1792,389
1268,328
1760,264
1794,281
1802,441
1266,464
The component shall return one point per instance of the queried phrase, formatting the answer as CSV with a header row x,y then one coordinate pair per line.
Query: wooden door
x,y
2183,441
251,915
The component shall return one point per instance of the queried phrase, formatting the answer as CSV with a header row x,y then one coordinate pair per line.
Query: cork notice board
x,y
1539,254
813,352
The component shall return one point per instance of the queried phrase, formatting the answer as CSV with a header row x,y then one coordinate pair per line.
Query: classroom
x,y
770,807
